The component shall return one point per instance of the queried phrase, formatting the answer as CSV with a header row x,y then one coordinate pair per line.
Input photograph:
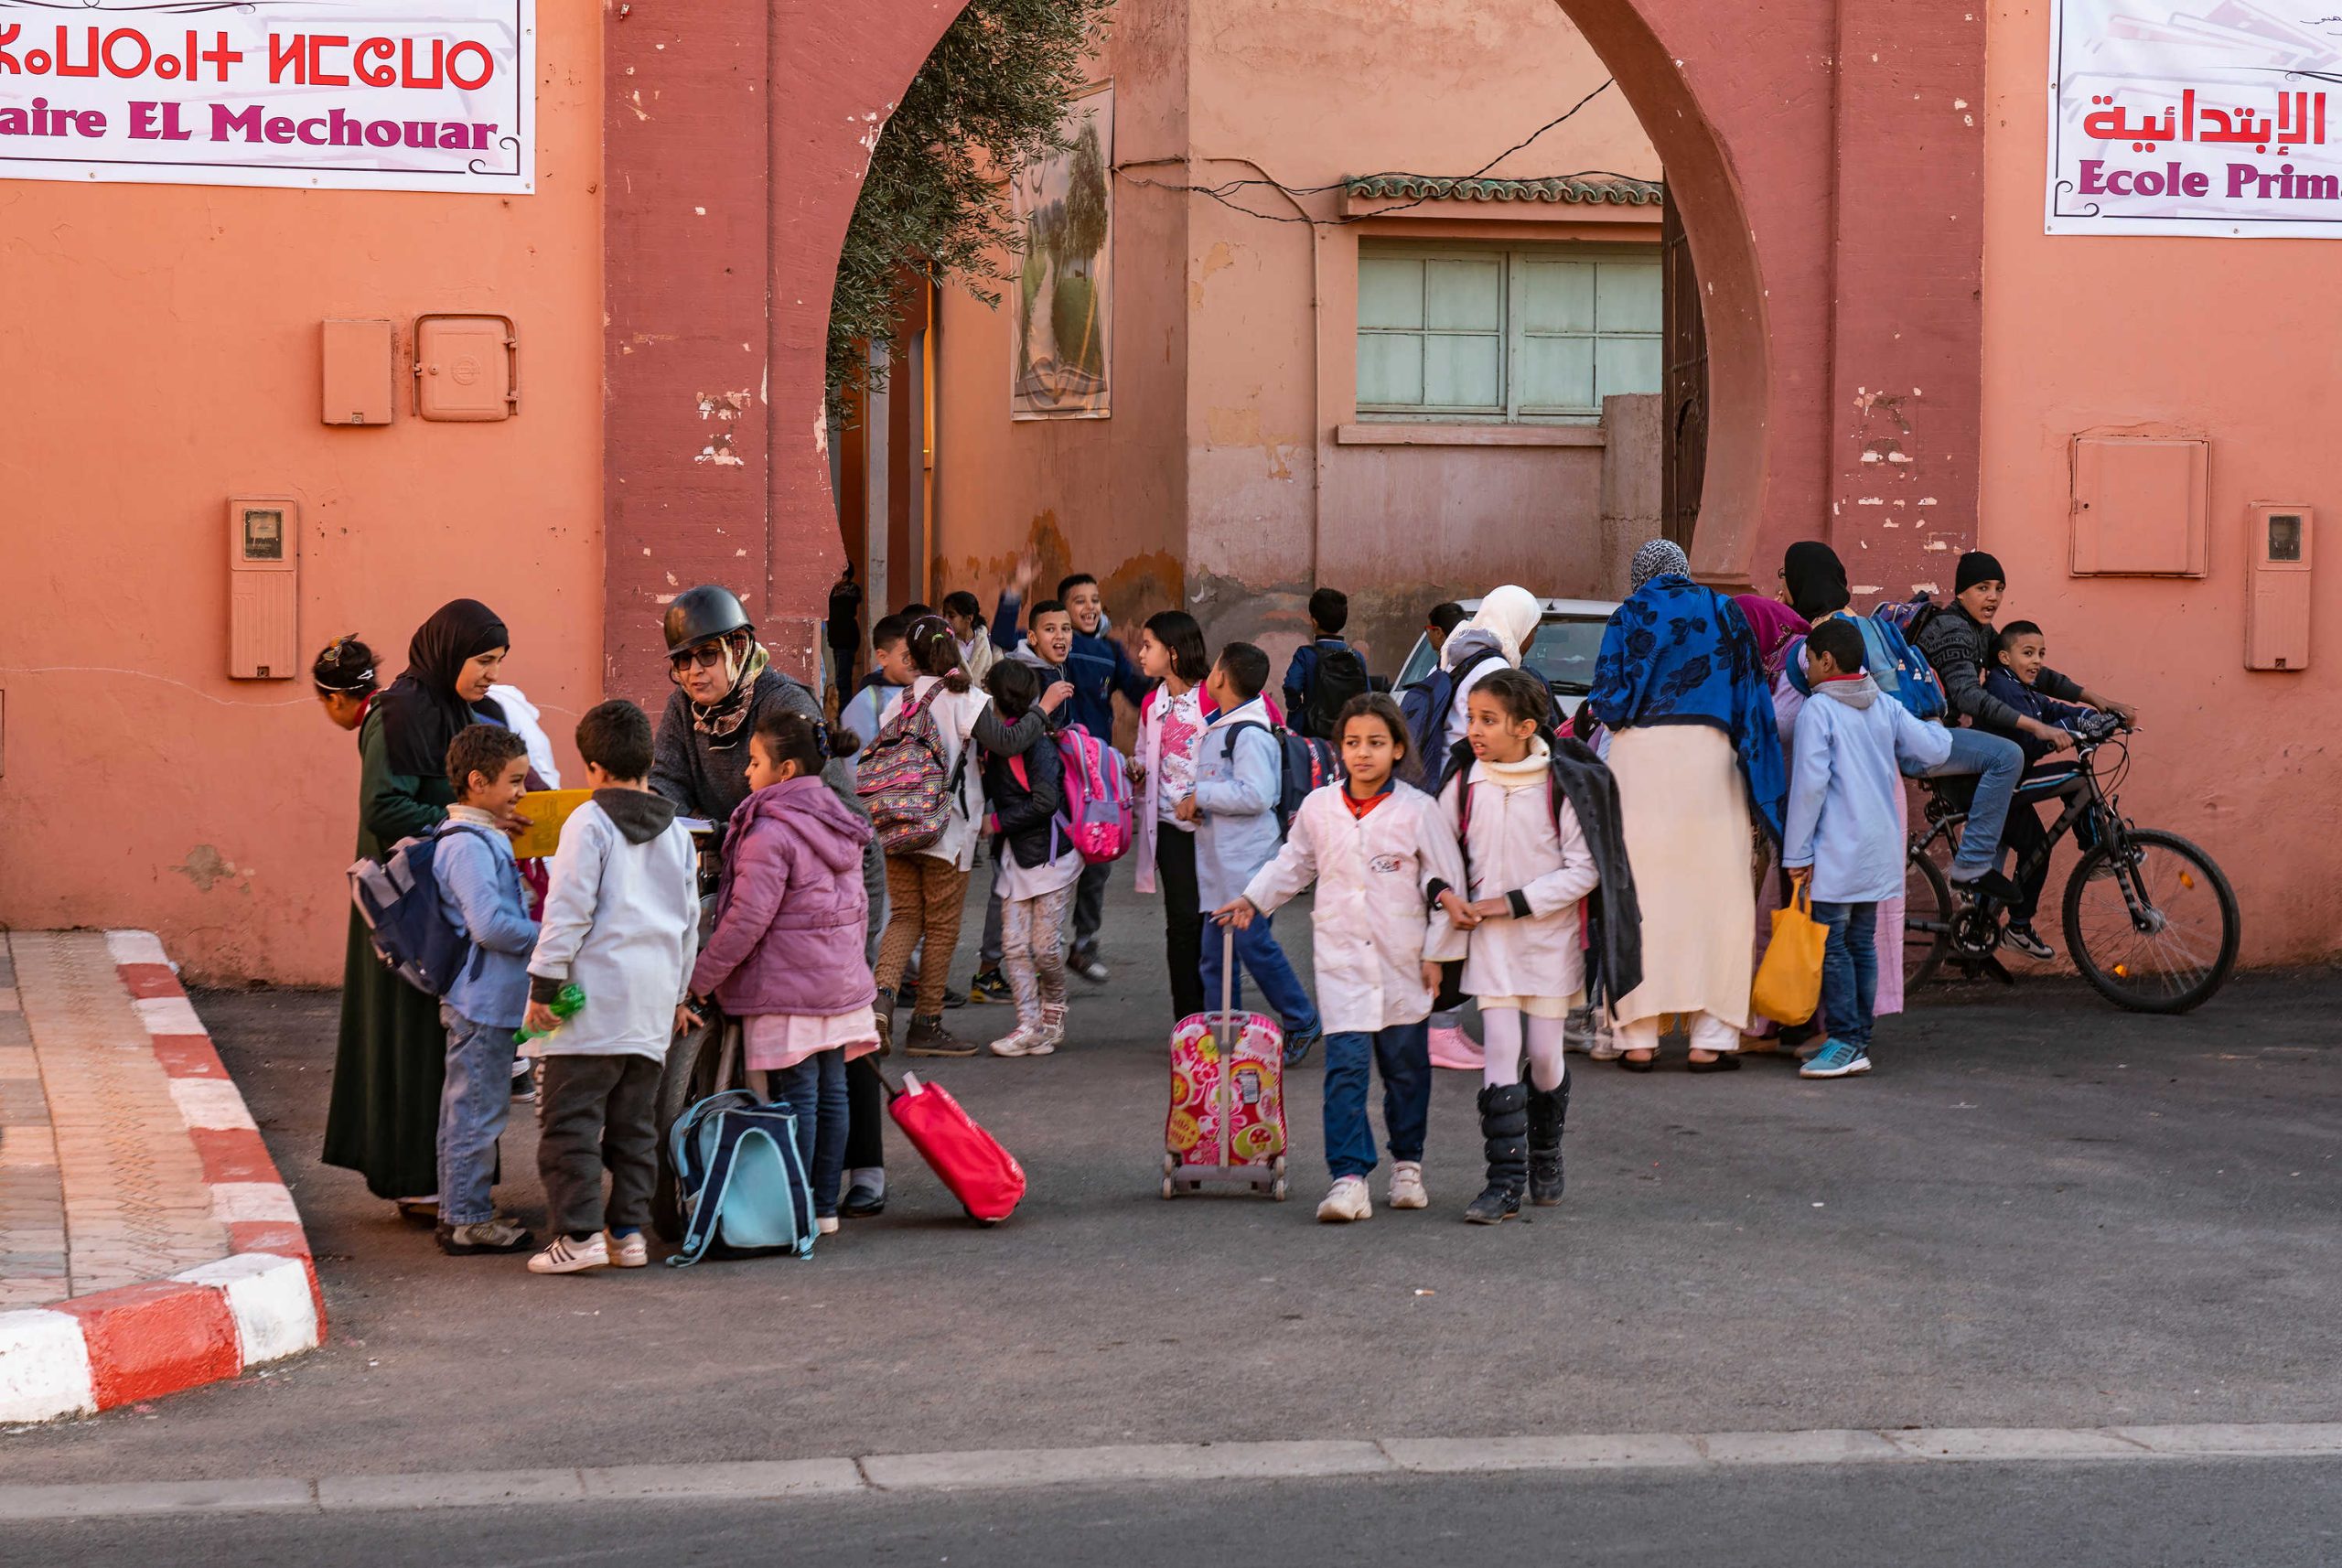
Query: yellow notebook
x,y
546,811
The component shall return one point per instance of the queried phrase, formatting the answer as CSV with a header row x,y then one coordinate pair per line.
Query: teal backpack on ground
x,y
741,1178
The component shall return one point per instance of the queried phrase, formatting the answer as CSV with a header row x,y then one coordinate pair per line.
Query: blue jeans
x,y
1997,762
1849,969
815,1089
1404,1053
1257,953
473,1104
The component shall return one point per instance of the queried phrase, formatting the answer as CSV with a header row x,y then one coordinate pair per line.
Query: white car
x,y
1569,639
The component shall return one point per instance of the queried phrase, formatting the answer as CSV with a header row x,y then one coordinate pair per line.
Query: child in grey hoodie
x,y
622,923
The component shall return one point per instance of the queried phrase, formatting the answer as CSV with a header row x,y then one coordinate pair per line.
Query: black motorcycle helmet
x,y
703,615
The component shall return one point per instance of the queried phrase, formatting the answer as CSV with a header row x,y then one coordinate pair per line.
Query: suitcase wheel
x,y
1170,1162
1277,1189
1276,1168
1170,1187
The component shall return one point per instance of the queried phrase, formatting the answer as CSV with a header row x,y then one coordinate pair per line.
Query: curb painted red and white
x,y
260,1304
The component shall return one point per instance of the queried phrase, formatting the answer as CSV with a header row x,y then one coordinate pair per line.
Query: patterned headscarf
x,y
1659,558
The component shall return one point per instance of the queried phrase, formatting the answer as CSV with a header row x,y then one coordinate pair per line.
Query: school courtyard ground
x,y
2055,1284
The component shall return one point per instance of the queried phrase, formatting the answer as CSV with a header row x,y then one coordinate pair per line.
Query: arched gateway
x,y
1821,156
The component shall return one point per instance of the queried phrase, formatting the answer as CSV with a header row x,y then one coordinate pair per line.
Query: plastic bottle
x,y
565,1006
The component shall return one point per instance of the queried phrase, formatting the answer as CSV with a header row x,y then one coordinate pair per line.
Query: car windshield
x,y
1565,652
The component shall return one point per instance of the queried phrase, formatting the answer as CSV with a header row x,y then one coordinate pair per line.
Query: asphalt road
x,y
2036,1212
2267,1514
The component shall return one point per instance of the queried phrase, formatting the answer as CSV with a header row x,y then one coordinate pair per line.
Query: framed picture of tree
x,y
1061,300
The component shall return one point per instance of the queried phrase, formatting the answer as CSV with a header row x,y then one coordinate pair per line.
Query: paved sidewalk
x,y
146,1242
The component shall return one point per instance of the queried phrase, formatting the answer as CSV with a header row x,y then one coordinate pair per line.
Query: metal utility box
x,y
2278,540
264,589
2140,506
466,368
359,363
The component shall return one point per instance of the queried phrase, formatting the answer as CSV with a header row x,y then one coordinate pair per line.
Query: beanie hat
x,y
1977,567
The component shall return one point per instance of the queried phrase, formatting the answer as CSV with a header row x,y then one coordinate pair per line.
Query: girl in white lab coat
x,y
1375,848
1527,870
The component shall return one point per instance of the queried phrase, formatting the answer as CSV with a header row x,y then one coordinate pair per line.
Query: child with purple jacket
x,y
788,954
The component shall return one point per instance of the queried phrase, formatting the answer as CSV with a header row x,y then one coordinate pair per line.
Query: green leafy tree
x,y
990,100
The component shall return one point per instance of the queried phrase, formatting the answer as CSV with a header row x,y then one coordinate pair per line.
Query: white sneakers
x,y
1023,1042
1407,1187
627,1252
567,1257
1347,1201
1034,1040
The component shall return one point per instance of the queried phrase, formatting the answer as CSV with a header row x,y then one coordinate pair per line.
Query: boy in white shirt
x,y
622,923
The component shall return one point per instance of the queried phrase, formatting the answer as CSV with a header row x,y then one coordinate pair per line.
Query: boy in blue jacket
x,y
1239,773
1096,666
480,893
1844,832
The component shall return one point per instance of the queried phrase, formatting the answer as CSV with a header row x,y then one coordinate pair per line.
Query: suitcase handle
x,y
1225,1027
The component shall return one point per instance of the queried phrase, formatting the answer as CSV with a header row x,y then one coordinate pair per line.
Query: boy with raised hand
x,y
1096,666
1239,773
480,893
622,924
1843,838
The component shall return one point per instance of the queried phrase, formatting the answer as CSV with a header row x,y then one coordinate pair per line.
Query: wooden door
x,y
1686,354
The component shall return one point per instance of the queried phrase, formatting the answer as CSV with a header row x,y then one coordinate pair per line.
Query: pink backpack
x,y
1098,817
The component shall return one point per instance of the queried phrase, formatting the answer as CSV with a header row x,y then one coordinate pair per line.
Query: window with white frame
x,y
1527,334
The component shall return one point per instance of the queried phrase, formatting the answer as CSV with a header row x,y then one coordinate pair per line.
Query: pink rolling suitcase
x,y
1227,1121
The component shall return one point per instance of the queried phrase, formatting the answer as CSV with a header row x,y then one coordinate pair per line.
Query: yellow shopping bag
x,y
1788,983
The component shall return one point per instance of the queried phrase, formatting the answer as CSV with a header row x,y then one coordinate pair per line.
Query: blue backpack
x,y
398,898
1425,705
1304,763
1901,670
740,1177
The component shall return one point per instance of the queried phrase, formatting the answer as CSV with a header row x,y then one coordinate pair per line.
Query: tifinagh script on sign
x,y
272,93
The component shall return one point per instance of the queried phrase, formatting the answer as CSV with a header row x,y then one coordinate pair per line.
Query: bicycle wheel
x,y
1926,920
694,1060
2177,950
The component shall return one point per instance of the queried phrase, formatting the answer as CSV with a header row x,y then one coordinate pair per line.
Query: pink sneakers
x,y
1454,1048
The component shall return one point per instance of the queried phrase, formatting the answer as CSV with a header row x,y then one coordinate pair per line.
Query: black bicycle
x,y
2150,920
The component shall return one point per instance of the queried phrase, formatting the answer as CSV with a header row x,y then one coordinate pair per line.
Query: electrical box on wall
x,y
264,589
466,368
359,369
2140,506
2276,611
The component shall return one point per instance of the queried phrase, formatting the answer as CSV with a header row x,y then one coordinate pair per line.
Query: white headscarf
x,y
1508,614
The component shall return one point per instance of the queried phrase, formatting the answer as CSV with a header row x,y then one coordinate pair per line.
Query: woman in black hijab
x,y
1815,579
392,1062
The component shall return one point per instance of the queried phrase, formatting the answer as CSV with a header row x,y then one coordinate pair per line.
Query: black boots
x,y
1504,1128
1548,1109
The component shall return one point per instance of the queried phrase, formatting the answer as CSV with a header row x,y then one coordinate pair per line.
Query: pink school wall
x,y
2216,339
162,345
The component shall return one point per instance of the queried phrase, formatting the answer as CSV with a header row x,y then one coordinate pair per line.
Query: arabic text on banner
x,y
2209,117
369,96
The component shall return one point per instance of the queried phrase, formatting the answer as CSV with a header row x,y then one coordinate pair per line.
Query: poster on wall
x,y
325,94
1061,300
2212,117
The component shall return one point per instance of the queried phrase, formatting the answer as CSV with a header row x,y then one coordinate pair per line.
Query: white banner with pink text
x,y
325,94
2212,117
